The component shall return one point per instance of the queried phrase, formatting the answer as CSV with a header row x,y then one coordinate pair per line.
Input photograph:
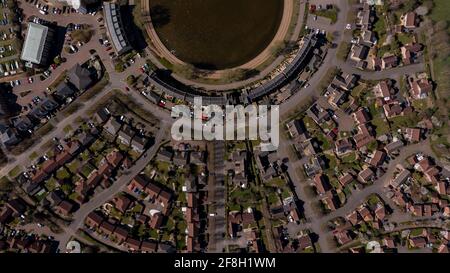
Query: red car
x,y
162,103
53,66
127,88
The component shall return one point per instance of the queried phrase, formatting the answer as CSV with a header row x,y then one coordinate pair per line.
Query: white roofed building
x,y
37,46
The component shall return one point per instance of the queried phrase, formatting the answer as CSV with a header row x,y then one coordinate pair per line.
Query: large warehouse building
x,y
37,46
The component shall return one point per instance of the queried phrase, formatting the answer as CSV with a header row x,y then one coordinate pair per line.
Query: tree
x,y
131,79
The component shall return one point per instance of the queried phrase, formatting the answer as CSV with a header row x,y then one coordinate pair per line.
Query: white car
x,y
348,26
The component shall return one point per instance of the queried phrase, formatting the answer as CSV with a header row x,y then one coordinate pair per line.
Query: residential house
x,y
138,184
126,134
378,158
389,62
112,126
421,88
412,134
152,190
383,90
317,113
94,219
346,179
80,77
401,178
361,116
392,109
344,81
156,220
393,146
330,201
359,52
122,203
409,20
138,143
64,208
63,91
343,146
106,228
366,175
120,234
368,38
102,115
320,183
148,247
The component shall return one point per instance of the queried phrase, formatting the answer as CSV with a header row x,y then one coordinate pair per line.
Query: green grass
x,y
277,181
41,195
15,172
68,129
87,169
343,50
373,200
73,166
331,161
416,232
325,143
420,105
45,129
62,174
163,167
331,14
350,158
404,121
381,126
98,146
73,196
33,156
50,184
404,38
440,10
272,198
380,27
5,184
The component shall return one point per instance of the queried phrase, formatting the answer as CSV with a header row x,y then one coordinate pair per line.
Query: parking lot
x,y
28,88
10,45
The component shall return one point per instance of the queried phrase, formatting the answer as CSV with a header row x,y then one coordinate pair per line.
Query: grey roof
x,y
63,90
23,123
80,77
33,48
115,28
8,136
112,126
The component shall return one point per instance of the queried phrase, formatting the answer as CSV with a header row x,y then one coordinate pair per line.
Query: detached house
x,y
389,62
126,135
409,20
420,89
382,90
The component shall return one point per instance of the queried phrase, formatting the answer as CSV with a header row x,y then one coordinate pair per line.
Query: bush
x,y
82,35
